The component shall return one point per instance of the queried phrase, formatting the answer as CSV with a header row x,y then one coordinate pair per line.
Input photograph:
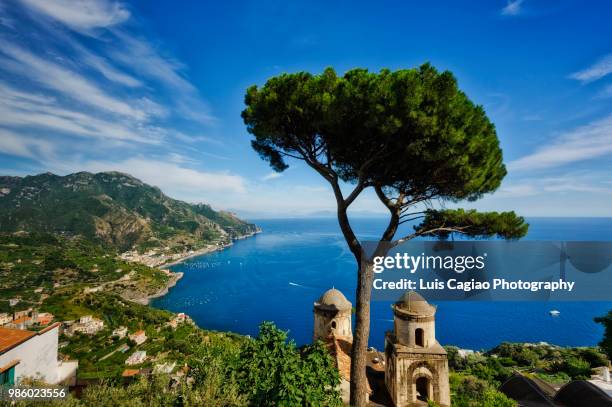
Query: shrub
x,y
494,398
273,372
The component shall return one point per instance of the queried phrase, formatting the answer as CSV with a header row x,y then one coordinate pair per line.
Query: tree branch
x,y
394,210
402,221
345,226
430,231
361,185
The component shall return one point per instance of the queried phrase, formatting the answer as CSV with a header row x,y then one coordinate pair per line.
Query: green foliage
x,y
33,264
556,378
147,392
475,378
470,391
490,369
577,368
606,342
554,361
505,225
273,371
522,354
226,369
494,398
593,356
111,208
412,130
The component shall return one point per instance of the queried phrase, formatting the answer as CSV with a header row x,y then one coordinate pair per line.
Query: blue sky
x,y
155,89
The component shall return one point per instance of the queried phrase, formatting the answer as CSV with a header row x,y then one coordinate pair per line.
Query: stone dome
x,y
413,303
333,298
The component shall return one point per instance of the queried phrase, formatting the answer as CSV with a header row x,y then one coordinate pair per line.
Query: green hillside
x,y
114,209
35,266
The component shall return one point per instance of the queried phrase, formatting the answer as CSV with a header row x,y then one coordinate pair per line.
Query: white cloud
x,y
81,15
110,72
5,20
516,191
513,8
70,105
65,81
568,193
584,143
585,182
271,176
171,177
601,68
26,147
146,60
34,111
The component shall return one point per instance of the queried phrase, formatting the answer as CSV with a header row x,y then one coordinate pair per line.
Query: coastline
x,y
146,299
206,250
176,276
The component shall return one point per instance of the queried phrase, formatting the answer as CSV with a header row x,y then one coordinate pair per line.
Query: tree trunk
x,y
359,386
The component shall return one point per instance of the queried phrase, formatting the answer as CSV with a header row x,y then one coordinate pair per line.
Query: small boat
x,y
554,313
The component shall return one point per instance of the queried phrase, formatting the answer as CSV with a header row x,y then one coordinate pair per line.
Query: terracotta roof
x,y
48,328
9,338
130,372
9,365
340,349
21,319
44,320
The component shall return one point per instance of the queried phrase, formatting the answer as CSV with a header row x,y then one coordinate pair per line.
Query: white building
x,y
87,325
180,318
166,368
5,318
139,337
120,332
28,354
85,319
136,358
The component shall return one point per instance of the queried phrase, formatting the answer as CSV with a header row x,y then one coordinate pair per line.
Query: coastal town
x,y
167,256
70,331
30,347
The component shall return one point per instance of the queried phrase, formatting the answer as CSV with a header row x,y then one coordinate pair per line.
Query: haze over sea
x,y
278,274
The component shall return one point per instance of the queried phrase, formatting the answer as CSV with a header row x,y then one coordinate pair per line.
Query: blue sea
x,y
278,274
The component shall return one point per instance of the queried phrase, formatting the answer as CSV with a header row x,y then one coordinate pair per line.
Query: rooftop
x,y
413,303
9,338
334,298
130,372
21,320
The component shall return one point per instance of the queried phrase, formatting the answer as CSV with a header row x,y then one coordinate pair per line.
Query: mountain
x,y
114,209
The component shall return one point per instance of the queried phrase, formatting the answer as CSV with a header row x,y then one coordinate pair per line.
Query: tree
x,y
273,372
606,342
411,135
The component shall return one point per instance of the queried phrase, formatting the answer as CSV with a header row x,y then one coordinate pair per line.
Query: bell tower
x,y
416,364
332,316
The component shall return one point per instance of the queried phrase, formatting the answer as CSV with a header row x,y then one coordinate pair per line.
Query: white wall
x,y
37,356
